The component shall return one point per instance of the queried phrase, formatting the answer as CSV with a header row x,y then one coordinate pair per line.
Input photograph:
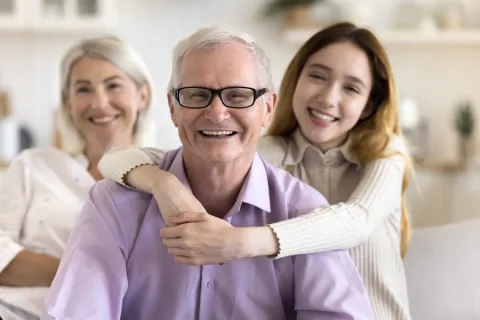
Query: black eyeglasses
x,y
231,97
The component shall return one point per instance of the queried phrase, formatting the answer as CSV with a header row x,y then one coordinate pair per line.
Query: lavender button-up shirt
x,y
115,266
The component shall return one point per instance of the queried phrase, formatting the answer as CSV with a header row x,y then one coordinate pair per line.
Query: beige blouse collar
x,y
300,149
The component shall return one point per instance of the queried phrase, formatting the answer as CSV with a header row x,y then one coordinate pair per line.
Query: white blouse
x,y
41,195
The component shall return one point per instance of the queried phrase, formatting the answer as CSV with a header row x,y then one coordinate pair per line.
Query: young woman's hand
x,y
172,196
197,238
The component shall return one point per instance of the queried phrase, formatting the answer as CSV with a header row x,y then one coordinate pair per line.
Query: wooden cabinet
x,y
59,16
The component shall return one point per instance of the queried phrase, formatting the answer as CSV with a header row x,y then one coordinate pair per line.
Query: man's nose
x,y
217,111
100,100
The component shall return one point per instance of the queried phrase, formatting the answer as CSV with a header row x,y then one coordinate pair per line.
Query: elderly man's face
x,y
218,133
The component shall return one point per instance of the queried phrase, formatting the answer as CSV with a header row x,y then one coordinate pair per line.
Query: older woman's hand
x,y
200,239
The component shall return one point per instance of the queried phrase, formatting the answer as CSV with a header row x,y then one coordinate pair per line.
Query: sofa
x,y
443,271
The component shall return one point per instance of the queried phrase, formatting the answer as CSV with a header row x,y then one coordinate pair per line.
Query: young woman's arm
x,y
339,226
19,266
346,225
116,164
137,168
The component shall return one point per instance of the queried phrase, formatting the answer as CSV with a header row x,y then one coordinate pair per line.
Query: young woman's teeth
x,y
102,120
216,133
322,116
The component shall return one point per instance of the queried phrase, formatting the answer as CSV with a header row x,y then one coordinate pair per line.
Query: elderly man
x,y
115,267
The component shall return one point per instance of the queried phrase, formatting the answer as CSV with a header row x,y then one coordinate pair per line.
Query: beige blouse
x,y
364,216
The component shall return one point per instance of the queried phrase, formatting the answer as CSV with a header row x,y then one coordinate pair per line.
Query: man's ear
x,y
270,105
171,106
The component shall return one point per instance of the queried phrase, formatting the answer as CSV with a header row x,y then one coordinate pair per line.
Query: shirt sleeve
x,y
346,225
15,195
91,280
329,287
116,163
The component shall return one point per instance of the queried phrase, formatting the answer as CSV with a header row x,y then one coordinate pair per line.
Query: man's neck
x,y
217,186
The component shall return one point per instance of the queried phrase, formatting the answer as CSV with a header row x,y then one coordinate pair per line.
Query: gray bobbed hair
x,y
124,57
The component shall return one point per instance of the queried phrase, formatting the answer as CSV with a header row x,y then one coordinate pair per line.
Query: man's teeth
x,y
322,116
101,120
216,133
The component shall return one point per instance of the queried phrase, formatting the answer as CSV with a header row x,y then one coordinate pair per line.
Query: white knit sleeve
x,y
116,163
346,225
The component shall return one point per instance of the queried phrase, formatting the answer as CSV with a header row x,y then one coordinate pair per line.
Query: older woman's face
x,y
104,102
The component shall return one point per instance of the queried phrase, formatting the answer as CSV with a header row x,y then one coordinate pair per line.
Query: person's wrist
x,y
161,181
258,241
138,177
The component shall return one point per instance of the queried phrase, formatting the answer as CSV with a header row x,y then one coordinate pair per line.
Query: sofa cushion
x,y
443,271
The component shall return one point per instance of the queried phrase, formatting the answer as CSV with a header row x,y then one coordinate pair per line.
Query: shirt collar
x,y
299,148
82,160
254,191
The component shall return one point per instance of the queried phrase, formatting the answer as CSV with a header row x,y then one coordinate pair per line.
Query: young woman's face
x,y
104,102
331,93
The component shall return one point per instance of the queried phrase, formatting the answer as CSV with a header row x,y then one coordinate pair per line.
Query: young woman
x,y
105,101
336,128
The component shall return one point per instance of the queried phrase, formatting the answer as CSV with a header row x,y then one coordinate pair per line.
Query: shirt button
x,y
210,284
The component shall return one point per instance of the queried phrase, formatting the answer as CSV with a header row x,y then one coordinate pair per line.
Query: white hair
x,y
209,37
120,54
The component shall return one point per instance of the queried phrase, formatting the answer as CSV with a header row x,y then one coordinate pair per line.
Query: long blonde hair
x,y
370,137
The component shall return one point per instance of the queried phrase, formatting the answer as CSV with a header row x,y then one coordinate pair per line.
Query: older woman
x,y
106,96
